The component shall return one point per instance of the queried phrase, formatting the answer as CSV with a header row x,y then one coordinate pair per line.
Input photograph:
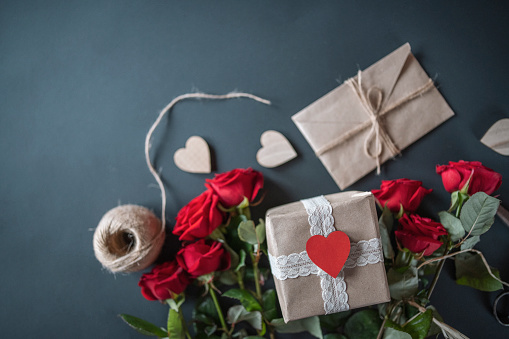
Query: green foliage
x,y
364,324
246,299
332,322
403,285
470,242
143,326
175,326
247,232
392,333
385,224
311,325
269,304
478,213
452,224
238,313
471,271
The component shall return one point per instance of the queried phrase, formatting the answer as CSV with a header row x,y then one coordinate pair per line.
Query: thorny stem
x,y
218,309
256,276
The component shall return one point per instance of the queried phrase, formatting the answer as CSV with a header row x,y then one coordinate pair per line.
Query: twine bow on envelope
x,y
372,101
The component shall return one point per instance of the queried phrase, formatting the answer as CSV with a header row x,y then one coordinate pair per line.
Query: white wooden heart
x,y
195,157
276,150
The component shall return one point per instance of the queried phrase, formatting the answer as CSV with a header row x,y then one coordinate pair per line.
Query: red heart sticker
x,y
329,253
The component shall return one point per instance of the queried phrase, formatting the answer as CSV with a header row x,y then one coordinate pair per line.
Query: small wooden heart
x,y
329,253
276,150
195,157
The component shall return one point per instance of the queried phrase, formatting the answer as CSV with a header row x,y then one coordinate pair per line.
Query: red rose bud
x,y
199,217
231,187
406,192
203,257
456,175
163,280
419,234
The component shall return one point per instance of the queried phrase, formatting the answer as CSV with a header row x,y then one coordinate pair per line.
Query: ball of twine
x,y
128,238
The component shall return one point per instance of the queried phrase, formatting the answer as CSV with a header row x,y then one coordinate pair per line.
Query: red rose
x,y
419,234
233,186
164,278
199,217
456,174
406,192
203,257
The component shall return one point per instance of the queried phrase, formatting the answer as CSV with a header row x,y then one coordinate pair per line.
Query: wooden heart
x,y
195,157
329,253
275,151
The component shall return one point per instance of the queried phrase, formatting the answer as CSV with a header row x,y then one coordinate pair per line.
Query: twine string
x,y
371,100
165,110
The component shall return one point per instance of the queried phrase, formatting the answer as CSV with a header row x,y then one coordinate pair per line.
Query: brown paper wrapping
x,y
340,111
288,230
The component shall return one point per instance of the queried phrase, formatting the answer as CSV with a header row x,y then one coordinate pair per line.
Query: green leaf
x,y
242,260
364,324
334,336
238,313
478,213
403,285
245,298
418,327
457,200
471,271
385,224
143,326
470,242
332,322
260,231
207,308
175,328
247,232
227,277
452,224
434,329
392,333
269,304
243,204
311,325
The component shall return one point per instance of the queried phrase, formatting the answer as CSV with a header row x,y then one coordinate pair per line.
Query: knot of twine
x,y
128,238
371,101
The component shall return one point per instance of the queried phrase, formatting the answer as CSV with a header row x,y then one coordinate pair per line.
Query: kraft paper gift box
x,y
371,117
303,288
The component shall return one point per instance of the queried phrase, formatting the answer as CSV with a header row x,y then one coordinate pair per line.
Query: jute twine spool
x,y
128,238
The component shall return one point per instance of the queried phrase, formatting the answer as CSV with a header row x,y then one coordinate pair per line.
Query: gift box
x,y
303,288
371,117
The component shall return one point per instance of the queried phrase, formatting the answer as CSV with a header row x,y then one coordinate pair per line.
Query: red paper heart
x,y
329,253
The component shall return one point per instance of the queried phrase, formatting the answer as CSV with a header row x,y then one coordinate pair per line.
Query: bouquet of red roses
x,y
222,246
219,242
422,245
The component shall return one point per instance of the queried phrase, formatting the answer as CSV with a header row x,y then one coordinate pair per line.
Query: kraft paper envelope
x,y
404,105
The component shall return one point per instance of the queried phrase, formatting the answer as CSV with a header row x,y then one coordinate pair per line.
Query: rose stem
x,y
218,309
256,276
437,274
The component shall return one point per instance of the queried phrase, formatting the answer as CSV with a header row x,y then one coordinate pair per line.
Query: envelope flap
x,y
384,74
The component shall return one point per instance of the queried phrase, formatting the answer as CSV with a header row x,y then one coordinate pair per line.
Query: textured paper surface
x,y
195,157
287,230
497,137
396,75
276,149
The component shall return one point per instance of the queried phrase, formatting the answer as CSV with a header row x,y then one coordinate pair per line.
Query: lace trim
x,y
335,298
320,216
299,265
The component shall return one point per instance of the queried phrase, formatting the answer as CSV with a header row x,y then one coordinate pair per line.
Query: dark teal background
x,y
81,82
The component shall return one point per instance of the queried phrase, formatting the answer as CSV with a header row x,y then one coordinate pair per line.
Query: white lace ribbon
x,y
362,253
